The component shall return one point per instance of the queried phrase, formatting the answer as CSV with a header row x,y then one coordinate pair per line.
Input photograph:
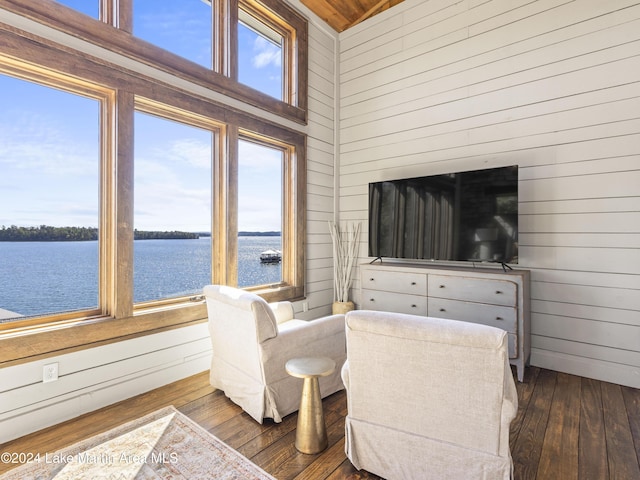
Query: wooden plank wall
x,y
436,86
320,169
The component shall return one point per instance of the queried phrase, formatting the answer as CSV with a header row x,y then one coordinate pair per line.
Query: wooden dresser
x,y
481,295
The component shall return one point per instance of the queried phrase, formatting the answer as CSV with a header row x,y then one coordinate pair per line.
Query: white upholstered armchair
x,y
428,398
252,340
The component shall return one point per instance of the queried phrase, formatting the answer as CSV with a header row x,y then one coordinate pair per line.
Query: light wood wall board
x,y
545,85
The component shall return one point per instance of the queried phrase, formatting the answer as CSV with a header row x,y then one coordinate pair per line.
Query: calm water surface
x,y
45,277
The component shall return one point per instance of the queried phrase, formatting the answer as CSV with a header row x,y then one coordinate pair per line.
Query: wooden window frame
x,y
120,40
106,98
118,320
293,221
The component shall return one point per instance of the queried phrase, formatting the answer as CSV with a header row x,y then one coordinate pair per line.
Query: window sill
x,y
27,345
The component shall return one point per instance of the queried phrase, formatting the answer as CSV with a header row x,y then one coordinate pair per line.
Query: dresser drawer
x,y
393,302
499,316
497,292
495,316
410,283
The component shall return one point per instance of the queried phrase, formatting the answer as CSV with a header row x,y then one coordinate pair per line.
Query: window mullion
x,y
225,40
225,221
120,14
232,37
122,205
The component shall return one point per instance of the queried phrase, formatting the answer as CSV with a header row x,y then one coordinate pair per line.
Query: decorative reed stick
x,y
345,247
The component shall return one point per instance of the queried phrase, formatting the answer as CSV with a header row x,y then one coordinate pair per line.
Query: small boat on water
x,y
271,256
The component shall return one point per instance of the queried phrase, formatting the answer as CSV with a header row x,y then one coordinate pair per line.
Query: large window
x,y
259,214
50,164
172,208
260,56
113,159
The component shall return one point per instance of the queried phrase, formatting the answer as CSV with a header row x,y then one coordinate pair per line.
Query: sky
x,y
49,141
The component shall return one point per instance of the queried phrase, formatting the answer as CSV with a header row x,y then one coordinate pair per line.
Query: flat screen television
x,y
463,216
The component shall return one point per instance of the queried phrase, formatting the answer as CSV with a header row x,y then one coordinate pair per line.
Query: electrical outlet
x,y
50,373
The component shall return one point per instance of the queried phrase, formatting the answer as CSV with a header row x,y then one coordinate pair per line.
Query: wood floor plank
x,y
632,404
211,410
592,451
270,458
346,471
552,409
271,435
623,460
526,452
242,429
525,392
559,456
326,464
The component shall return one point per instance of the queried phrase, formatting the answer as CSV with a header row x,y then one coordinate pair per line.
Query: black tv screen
x,y
462,216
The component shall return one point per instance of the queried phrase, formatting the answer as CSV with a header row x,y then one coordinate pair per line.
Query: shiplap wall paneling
x,y
320,171
550,85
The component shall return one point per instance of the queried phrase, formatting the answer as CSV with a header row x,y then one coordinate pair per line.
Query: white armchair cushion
x,y
282,311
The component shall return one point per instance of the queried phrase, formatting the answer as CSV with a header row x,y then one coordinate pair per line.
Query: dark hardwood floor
x,y
567,428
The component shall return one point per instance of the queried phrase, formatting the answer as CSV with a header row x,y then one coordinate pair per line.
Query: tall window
x,y
259,214
172,210
49,197
260,56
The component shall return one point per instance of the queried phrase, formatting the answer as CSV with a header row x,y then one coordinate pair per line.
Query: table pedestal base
x,y
311,434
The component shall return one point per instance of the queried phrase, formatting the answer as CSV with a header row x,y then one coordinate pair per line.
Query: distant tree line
x,y
173,235
258,234
46,233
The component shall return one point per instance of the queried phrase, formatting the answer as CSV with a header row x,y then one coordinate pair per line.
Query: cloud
x,y
48,145
191,152
266,53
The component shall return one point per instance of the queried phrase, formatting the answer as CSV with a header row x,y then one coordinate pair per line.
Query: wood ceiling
x,y
343,14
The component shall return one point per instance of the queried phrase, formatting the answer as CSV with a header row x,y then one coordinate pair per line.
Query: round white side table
x,y
311,434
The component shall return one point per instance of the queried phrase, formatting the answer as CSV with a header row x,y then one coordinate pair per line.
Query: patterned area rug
x,y
162,445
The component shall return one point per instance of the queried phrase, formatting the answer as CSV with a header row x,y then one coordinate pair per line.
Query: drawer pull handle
x,y
498,292
499,318
372,299
372,279
442,310
441,286
413,283
414,306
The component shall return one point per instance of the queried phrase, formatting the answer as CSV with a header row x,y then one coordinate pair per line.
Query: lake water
x,y
39,278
